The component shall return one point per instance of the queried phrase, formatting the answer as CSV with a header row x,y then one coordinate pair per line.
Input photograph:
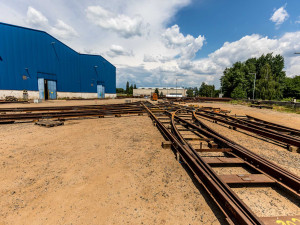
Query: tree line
x,y
205,90
128,90
259,78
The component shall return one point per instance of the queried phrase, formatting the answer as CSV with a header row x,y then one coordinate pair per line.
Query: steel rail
x,y
34,116
69,112
251,127
269,127
286,178
222,192
227,201
273,125
58,108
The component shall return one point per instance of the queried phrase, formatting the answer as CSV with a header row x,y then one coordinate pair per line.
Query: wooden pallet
x,y
49,123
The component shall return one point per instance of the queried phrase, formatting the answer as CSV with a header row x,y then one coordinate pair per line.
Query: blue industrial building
x,y
34,62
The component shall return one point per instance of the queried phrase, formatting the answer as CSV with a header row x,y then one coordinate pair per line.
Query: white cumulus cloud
x,y
279,16
188,45
35,18
149,58
117,50
124,25
247,47
62,30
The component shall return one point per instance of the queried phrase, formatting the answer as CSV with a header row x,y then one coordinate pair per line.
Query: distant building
x,y
166,91
35,63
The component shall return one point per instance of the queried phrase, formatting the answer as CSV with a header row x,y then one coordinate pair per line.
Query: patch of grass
x,y
286,109
239,102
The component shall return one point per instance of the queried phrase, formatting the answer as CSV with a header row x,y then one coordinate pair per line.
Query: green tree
x,y
206,90
238,92
269,77
292,87
156,91
120,90
190,92
134,87
127,88
161,94
267,87
130,90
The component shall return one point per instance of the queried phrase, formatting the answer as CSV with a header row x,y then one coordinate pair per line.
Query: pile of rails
x,y
10,115
203,149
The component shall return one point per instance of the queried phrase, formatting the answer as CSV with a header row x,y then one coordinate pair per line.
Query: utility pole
x,y
176,87
222,87
254,85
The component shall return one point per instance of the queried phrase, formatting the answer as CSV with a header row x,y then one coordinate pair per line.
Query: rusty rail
x,y
69,112
274,126
248,126
60,108
229,203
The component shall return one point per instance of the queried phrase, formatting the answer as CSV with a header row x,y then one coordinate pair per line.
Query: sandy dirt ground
x,y
96,171
114,171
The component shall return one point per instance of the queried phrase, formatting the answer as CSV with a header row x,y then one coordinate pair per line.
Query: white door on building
x,y
100,91
41,87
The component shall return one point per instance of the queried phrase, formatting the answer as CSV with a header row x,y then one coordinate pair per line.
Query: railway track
x,y
276,132
10,115
277,127
206,152
76,107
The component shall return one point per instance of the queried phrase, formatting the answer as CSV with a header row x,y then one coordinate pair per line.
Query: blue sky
x,y
227,21
153,43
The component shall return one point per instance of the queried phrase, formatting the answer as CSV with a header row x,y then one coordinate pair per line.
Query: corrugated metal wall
x,y
35,54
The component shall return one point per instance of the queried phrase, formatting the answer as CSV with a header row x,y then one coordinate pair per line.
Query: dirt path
x,y
96,171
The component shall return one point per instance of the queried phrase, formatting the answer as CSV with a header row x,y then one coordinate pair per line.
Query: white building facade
x,y
165,91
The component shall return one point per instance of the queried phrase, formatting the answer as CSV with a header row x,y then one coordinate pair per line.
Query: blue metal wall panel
x,y
34,54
